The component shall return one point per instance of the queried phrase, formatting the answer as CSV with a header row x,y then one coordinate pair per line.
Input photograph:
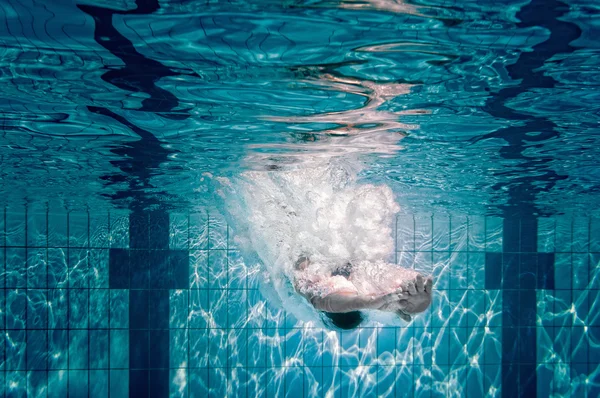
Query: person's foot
x,y
415,295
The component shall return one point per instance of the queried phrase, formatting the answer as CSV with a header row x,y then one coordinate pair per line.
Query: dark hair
x,y
345,320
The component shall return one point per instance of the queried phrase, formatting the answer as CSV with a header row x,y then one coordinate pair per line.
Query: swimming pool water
x,y
120,276
162,304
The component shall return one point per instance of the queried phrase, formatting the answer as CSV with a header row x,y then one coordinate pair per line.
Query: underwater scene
x,y
322,198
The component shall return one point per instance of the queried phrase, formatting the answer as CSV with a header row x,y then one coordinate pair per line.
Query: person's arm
x,y
340,302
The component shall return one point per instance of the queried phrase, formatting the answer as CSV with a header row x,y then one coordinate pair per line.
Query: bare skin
x,y
413,297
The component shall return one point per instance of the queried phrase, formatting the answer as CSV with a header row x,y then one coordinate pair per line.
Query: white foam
x,y
319,210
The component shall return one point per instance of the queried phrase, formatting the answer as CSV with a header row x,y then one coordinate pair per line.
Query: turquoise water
x,y
121,262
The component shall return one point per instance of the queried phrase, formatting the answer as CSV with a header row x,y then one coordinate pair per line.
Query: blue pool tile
x,y
139,382
493,271
294,381
58,349
78,268
57,268
458,308
367,340
528,235
119,308
511,309
314,383
119,349
178,269
198,308
238,272
16,383
99,230
580,269
580,345
385,381
178,346
15,227
178,231
37,309
423,232
16,268
237,308
119,383
510,270
158,309
594,244
57,383
98,308
119,230
217,300
441,232
139,236
459,276
492,346
405,233
57,228
179,383
37,350
217,348
159,354
179,309
564,234
98,268
545,235
217,231
139,269
139,349
386,345
562,271
581,238
15,341
158,383
274,347
440,309
98,383
476,234
527,308
476,270
457,343
78,349
594,337
78,308
16,307
405,380
441,346
198,235
493,234
528,271
78,383
218,271
198,383
78,229
217,382
98,349
349,346
458,233
441,270
198,346
37,228
37,383
37,268
119,269
546,271
158,230
511,229
198,269
563,302
423,348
